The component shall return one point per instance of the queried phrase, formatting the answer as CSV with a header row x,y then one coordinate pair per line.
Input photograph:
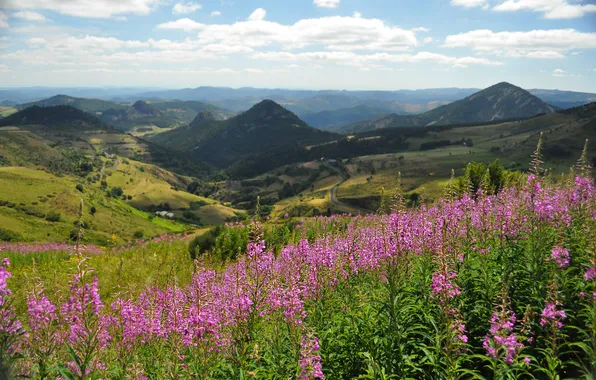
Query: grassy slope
x,y
45,192
7,111
153,186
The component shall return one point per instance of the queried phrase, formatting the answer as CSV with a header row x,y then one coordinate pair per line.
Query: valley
x,y
205,166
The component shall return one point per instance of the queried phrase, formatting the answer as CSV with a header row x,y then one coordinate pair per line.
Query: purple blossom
x,y
550,314
501,340
561,256
310,360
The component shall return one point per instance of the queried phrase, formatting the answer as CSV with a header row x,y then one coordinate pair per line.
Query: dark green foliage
x,y
203,243
139,234
8,235
58,117
191,217
79,187
92,210
53,216
116,192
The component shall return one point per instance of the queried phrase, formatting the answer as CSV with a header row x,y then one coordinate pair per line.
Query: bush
x,y
53,216
203,243
116,192
139,234
92,210
8,235
79,187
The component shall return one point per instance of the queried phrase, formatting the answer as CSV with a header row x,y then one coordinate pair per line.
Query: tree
x,y
79,187
93,210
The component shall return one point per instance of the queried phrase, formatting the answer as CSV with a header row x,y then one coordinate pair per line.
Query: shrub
x,y
8,235
53,216
203,242
79,187
92,210
139,234
116,192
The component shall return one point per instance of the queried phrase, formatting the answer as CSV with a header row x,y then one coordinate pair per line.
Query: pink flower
x,y
561,256
551,314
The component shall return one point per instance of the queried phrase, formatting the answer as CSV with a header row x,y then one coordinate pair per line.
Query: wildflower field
x,y
474,287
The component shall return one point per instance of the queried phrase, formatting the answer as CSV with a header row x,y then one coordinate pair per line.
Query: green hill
x,y
502,101
265,127
87,105
57,116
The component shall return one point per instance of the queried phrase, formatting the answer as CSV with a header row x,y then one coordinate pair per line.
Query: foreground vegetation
x,y
477,286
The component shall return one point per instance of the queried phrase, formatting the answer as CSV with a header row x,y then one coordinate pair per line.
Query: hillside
x,y
87,105
141,117
64,130
502,101
57,116
265,127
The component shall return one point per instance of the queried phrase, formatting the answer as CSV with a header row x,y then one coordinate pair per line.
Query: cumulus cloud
x,y
428,40
365,60
334,33
87,8
326,3
468,3
215,13
183,8
258,15
552,9
548,44
5,69
30,16
3,20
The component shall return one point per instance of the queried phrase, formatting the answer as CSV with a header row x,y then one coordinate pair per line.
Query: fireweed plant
x,y
482,286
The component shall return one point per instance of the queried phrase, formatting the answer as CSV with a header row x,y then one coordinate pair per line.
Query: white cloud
x,y
428,40
5,69
421,29
258,15
468,3
3,20
254,71
30,16
87,8
215,13
459,66
545,55
365,60
357,14
576,53
334,33
326,3
183,8
547,44
552,9
36,41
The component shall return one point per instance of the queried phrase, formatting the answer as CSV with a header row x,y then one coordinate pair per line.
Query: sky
x,y
299,44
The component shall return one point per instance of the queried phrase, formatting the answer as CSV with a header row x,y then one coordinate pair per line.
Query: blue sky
x,y
314,44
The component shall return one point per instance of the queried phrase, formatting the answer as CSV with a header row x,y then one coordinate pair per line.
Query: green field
x,y
32,194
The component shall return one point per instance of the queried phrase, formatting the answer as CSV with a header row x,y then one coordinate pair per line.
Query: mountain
x,y
87,105
502,101
57,116
126,117
329,120
564,99
267,126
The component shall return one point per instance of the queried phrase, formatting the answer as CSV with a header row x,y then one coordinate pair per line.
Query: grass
x,y
44,192
7,111
149,185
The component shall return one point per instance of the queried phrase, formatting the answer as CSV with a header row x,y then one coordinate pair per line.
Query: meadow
x,y
488,284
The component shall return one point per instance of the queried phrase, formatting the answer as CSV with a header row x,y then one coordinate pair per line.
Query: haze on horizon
x,y
299,44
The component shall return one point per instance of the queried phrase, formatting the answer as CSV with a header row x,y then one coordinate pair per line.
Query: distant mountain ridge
x,y
501,101
163,114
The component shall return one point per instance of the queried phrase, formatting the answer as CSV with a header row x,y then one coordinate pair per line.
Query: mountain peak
x,y
268,110
144,108
201,118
